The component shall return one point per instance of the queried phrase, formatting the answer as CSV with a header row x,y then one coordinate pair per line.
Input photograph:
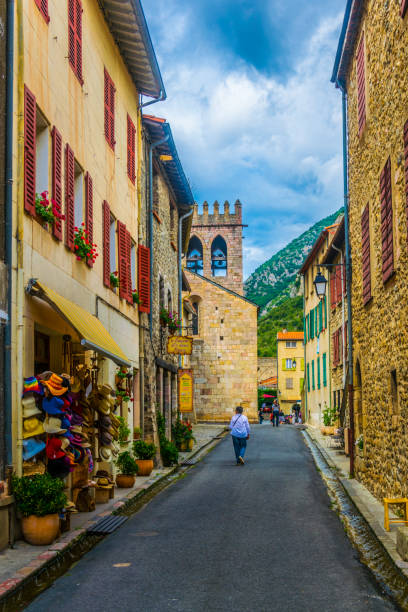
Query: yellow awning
x,y
94,335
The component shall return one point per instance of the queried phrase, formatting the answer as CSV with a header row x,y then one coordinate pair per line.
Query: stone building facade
x,y
371,67
316,337
224,326
291,368
172,198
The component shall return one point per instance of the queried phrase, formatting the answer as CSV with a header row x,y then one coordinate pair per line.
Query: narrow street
x,y
258,537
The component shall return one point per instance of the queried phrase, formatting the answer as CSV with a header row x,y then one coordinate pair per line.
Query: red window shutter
x,y
361,92
386,222
30,120
75,37
89,211
406,169
123,260
365,254
143,257
57,180
106,243
404,6
43,6
69,197
129,267
131,142
109,102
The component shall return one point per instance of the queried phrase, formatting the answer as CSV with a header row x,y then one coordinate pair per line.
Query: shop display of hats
x,y
33,467
45,375
55,385
31,385
32,447
29,407
52,405
58,468
52,425
32,427
105,453
104,474
103,483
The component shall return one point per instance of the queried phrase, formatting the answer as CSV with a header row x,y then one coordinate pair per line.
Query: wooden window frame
x,y
75,38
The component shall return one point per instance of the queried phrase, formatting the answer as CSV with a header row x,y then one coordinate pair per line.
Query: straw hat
x,y
104,407
29,407
33,467
52,425
105,453
32,427
55,385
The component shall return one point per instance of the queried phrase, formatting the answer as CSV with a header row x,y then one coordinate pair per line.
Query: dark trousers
x,y
239,446
275,419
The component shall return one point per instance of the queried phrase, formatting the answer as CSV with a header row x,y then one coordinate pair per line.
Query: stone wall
x,y
225,352
380,333
207,226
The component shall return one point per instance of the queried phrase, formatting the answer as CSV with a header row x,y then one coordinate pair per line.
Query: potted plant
x,y
137,432
114,279
164,317
188,436
46,208
124,431
135,297
39,498
128,470
84,249
174,323
144,451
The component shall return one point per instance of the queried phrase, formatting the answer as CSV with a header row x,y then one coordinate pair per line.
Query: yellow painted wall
x,y
286,396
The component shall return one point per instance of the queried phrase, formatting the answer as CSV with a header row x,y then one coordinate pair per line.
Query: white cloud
x,y
274,143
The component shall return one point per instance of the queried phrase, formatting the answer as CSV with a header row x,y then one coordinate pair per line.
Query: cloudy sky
x,y
252,109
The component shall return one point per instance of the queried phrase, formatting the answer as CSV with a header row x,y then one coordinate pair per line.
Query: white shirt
x,y
239,426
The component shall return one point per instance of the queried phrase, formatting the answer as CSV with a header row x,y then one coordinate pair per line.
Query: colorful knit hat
x,y
55,385
31,385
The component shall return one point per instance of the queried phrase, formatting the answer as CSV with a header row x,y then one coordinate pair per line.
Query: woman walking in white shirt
x,y
240,429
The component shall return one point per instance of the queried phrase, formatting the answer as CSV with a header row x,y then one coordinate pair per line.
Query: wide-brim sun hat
x,y
104,407
32,427
32,447
52,425
105,453
52,405
55,385
30,408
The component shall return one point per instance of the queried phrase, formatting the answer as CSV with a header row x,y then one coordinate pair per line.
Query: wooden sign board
x,y
179,345
185,390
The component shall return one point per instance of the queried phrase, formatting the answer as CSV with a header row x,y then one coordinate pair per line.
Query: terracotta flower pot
x,y
40,530
145,466
183,446
124,481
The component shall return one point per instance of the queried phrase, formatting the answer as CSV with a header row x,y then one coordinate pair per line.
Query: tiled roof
x,y
290,335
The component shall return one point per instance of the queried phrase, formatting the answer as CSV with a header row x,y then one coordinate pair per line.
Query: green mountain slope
x,y
289,315
276,279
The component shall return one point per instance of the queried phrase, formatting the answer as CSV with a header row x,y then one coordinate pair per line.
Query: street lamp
x,y
294,364
320,285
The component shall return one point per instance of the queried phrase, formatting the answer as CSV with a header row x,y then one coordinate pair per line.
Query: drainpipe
x,y
8,406
152,146
161,98
20,297
348,277
342,313
139,236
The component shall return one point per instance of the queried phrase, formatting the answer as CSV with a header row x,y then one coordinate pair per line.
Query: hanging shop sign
x,y
179,345
185,390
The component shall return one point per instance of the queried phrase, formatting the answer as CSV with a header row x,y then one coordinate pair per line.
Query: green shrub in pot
x,y
144,450
40,494
126,464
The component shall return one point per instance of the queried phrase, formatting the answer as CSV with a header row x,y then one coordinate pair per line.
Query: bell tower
x,y
215,247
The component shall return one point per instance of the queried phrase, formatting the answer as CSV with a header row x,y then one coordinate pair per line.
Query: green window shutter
x,y
301,384
308,377
284,368
307,329
311,324
302,364
325,312
320,316
318,372
313,375
316,320
304,327
324,370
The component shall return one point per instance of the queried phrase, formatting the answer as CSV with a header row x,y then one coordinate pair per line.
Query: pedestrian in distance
x,y
260,414
275,413
240,429
296,410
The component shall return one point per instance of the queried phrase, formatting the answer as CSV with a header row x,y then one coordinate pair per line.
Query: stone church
x,y
224,325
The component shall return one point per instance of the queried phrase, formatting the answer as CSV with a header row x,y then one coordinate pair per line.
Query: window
x,y
75,37
41,153
133,266
290,344
318,372
112,245
89,212
69,197
43,7
365,254
78,195
361,88
109,102
219,257
313,375
289,383
131,143
289,364
144,278
324,364
386,222
308,376
169,301
161,292
195,321
56,169
124,246
106,216
195,255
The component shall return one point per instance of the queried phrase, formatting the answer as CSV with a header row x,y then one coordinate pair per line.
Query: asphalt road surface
x,y
253,538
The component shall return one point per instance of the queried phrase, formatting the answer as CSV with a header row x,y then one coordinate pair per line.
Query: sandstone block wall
x,y
380,328
225,352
